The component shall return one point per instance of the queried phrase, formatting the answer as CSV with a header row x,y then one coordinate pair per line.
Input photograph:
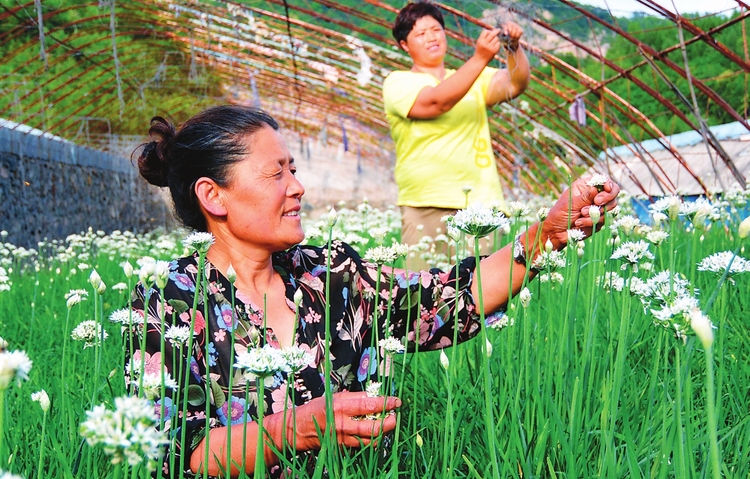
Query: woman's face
x,y
263,195
426,43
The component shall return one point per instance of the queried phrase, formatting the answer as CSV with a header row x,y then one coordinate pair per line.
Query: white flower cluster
x,y
667,207
611,281
267,361
525,297
476,220
500,320
373,389
391,345
177,336
261,362
516,209
386,254
597,180
5,283
657,237
90,332
549,261
670,299
356,225
627,224
553,278
128,433
75,296
717,263
126,317
699,211
14,365
296,358
631,253
199,242
8,475
151,383
42,398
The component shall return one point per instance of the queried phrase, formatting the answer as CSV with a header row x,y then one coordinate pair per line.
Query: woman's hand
x,y
579,200
347,406
513,32
488,44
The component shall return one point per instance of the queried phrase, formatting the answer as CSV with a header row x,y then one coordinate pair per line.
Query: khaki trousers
x,y
417,222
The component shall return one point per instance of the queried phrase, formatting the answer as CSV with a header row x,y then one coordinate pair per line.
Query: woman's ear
x,y
210,197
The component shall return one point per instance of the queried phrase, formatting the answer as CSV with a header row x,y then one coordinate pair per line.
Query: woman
x,y
231,174
438,119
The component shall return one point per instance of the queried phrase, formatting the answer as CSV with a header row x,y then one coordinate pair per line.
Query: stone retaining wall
x,y
51,188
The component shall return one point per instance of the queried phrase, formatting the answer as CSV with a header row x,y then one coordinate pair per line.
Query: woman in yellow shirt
x,y
438,120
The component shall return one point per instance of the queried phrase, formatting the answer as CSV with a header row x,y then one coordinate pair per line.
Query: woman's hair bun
x,y
153,162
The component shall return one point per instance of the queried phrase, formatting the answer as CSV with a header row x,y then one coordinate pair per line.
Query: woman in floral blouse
x,y
230,174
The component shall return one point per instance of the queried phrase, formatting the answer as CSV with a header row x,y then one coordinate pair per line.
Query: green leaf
x,y
218,394
179,306
196,395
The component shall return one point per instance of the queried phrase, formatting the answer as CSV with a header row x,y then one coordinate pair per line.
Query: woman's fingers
x,y
361,417
351,430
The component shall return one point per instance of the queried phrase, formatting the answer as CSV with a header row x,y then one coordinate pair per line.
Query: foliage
x,y
584,382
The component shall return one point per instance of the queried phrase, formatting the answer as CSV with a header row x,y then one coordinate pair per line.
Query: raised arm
x,y
496,269
434,101
510,82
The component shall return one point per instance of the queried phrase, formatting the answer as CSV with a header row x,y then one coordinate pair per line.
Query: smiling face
x,y
262,198
426,43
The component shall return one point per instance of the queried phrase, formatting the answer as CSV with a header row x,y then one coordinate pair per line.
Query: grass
x,y
583,384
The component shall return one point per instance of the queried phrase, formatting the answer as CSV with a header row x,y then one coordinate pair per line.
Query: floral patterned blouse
x,y
423,300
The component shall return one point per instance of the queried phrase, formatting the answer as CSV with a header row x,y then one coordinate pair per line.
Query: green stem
x,y
188,355
489,416
2,427
41,447
710,398
330,426
723,278
259,472
680,469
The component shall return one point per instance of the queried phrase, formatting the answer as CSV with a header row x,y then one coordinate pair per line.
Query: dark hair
x,y
409,15
206,145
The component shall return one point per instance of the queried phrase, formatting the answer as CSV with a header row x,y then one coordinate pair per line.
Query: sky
x,y
626,7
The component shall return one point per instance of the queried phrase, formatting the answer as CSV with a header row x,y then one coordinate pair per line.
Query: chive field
x,y
594,369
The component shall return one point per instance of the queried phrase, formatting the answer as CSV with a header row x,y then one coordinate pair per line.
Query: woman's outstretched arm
x,y
572,208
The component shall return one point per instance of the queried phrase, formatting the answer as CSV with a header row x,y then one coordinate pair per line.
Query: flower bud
x,y
331,217
419,441
42,398
94,279
543,213
744,230
548,246
298,297
525,297
161,271
231,274
579,251
702,327
128,269
595,213
444,360
674,208
488,351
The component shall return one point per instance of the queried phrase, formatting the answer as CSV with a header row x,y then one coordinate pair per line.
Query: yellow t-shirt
x,y
437,158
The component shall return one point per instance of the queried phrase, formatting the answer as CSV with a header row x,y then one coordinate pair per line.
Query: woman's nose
x,y
295,188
